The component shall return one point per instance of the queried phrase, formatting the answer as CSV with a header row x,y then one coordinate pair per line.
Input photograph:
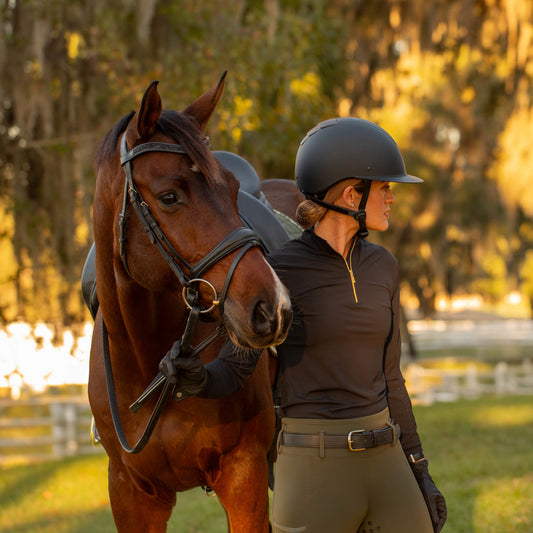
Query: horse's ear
x,y
149,112
202,108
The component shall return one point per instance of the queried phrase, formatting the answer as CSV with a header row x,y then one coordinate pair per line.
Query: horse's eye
x,y
169,199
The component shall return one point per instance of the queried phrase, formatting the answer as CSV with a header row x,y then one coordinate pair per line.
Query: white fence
x,y
48,427
502,334
429,385
45,428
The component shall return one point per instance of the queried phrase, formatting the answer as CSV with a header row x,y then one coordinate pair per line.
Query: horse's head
x,y
187,221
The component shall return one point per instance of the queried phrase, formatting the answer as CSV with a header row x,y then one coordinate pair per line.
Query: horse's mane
x,y
180,127
109,143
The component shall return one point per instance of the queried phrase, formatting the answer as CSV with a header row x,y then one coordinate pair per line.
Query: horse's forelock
x,y
179,127
184,130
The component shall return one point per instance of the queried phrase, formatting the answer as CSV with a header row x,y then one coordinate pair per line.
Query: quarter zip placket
x,y
350,269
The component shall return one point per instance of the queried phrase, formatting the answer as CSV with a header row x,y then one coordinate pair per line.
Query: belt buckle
x,y
350,447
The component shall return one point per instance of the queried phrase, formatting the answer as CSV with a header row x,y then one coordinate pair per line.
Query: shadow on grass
x,y
67,495
100,521
13,487
70,496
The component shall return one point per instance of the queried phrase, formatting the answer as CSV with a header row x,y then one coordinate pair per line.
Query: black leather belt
x,y
355,441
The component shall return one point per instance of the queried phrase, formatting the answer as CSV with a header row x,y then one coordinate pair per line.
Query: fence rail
x,y
50,427
44,428
429,385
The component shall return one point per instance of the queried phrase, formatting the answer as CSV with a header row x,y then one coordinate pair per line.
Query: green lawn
x,y
481,457
480,451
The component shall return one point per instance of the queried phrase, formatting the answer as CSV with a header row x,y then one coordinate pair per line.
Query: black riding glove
x,y
187,372
192,378
435,501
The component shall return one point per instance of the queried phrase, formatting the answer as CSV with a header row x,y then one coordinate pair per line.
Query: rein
x,y
240,238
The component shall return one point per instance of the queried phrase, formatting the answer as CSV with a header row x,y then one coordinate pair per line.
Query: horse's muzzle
x,y
267,320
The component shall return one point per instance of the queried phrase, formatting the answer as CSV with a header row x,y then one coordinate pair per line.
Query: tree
x,y
449,80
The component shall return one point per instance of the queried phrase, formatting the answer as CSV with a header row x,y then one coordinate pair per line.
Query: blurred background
x,y
451,80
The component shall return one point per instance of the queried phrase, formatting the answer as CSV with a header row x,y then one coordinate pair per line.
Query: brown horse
x,y
165,211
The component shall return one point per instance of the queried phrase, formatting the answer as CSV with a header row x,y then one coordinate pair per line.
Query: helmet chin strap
x,y
359,215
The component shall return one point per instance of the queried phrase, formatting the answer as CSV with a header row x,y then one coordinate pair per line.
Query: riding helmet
x,y
347,147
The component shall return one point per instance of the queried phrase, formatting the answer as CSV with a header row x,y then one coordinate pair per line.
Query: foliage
x,y
488,492
527,276
449,80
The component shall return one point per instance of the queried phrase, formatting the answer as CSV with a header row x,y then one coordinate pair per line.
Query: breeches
x,y
339,491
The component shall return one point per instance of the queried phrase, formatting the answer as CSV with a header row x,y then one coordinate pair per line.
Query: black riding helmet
x,y
344,148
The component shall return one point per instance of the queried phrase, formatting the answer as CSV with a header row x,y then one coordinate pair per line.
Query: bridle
x,y
240,238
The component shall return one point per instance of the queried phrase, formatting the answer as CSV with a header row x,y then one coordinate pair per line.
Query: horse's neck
x,y
154,313
146,324
154,326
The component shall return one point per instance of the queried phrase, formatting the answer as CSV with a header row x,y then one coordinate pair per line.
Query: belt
x,y
356,441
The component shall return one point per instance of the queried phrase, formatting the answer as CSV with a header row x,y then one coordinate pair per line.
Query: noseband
x,y
243,238
240,237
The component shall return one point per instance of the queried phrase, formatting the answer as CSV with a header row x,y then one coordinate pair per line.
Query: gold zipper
x,y
350,270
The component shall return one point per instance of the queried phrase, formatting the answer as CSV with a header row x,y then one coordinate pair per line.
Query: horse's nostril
x,y
286,317
263,318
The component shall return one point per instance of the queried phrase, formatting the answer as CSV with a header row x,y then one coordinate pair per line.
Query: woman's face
x,y
378,205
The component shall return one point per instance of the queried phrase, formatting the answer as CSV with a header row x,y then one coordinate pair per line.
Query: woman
x,y
349,455
348,447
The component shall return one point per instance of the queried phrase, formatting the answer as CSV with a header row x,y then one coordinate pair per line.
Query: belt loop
x,y
322,452
390,423
280,437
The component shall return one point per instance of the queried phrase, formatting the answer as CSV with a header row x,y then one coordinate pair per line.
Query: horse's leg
x,y
242,489
138,505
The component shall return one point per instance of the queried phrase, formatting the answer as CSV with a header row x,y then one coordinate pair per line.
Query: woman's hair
x,y
308,213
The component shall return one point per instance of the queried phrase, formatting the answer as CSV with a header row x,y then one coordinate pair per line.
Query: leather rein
x,y
240,238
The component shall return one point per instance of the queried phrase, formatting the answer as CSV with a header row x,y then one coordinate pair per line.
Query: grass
x,y
482,460
480,454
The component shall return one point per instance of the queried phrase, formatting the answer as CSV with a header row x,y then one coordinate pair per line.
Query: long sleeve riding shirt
x,y
341,358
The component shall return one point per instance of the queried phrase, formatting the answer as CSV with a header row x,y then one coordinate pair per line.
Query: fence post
x,y
64,428
472,382
58,429
500,378
71,428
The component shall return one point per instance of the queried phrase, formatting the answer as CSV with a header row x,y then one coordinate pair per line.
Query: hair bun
x,y
308,213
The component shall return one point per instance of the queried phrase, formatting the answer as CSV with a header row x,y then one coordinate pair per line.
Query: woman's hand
x,y
435,501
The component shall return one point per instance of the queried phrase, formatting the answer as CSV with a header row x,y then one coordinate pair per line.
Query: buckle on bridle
x,y
350,447
186,290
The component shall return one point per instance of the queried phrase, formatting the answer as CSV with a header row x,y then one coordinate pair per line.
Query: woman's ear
x,y
350,196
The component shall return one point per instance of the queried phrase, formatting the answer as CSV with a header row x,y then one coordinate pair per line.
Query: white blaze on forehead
x,y
216,177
